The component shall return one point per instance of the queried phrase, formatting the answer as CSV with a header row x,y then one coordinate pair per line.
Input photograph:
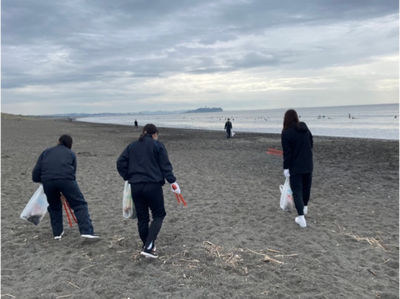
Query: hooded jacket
x,y
145,161
297,144
55,163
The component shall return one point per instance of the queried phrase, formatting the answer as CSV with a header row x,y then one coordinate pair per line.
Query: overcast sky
x,y
128,56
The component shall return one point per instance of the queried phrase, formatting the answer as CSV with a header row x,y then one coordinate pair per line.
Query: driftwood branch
x,y
266,258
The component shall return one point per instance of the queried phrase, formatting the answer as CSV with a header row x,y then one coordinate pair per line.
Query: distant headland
x,y
205,109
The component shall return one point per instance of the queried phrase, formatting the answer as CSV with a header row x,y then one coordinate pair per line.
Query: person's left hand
x,y
63,199
286,173
175,188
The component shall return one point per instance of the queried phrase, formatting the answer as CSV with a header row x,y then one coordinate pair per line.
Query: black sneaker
x,y
153,249
149,253
90,236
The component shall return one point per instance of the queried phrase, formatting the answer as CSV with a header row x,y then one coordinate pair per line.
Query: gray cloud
x,y
134,50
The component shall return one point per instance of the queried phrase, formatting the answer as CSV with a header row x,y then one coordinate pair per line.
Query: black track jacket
x,y
145,161
297,144
55,163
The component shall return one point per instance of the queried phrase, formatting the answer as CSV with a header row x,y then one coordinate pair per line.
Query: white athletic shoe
x,y
300,220
90,236
59,237
305,210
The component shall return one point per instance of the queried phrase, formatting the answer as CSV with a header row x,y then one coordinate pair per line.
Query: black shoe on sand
x,y
149,253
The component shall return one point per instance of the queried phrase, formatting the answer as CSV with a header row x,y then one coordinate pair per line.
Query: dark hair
x,y
291,119
66,140
148,129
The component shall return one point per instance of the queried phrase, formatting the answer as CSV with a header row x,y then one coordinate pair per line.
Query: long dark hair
x,y
291,119
66,140
148,129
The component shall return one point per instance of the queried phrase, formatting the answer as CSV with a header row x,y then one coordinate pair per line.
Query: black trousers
x,y
72,193
148,196
301,188
228,133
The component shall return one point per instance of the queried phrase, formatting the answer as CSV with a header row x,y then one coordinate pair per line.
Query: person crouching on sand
x,y
297,144
56,169
145,164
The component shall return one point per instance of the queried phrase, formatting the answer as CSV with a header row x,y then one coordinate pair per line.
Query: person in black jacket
x,y
297,144
145,165
228,127
56,169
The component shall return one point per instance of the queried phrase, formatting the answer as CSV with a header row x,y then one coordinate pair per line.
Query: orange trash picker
x,y
275,152
68,207
179,197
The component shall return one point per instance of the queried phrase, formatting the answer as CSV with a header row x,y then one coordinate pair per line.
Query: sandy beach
x,y
231,241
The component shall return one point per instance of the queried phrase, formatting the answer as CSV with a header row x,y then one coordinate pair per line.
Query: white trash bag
x,y
286,202
36,208
128,209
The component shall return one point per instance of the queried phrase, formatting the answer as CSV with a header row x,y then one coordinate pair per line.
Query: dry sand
x,y
232,241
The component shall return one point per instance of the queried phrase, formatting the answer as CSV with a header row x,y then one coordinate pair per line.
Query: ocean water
x,y
365,121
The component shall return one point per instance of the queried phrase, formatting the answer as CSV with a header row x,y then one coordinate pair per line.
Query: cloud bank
x,y
129,56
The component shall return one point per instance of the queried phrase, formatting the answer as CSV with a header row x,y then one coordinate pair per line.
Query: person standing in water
x,y
145,164
297,145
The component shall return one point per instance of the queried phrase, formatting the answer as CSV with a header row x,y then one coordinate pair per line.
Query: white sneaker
x,y
59,237
90,236
300,220
305,210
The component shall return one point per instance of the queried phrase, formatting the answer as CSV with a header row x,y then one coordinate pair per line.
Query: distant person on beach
x,y
136,125
297,144
145,164
56,169
228,128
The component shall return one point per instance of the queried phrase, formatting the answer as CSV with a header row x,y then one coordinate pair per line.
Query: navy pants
x,y
147,196
228,133
72,193
301,188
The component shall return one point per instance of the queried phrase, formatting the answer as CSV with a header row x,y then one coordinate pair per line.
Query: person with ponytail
x,y
55,170
297,145
145,165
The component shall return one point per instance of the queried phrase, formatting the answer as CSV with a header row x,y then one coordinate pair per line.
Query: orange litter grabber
x,y
179,197
72,213
275,152
67,207
66,211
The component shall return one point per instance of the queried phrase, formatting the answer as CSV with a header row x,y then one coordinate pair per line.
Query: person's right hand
x,y
63,199
286,173
175,188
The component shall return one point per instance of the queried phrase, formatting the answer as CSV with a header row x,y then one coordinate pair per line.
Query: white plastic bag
x,y
232,134
36,208
286,203
128,210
